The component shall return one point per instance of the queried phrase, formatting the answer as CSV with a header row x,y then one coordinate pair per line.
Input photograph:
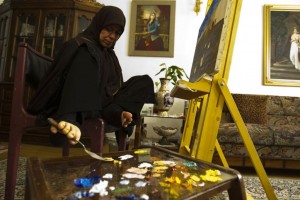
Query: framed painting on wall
x,y
281,45
152,28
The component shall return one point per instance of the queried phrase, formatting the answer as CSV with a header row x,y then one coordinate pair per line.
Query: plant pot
x,y
163,99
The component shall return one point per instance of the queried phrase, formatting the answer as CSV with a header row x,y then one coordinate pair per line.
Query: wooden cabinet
x,y
45,25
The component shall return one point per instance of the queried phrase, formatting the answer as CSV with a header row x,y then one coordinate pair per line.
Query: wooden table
x,y
52,179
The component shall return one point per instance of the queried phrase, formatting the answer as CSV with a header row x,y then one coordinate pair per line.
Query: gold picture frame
x,y
281,59
155,39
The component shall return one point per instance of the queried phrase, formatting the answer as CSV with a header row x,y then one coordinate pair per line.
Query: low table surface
x,y
54,178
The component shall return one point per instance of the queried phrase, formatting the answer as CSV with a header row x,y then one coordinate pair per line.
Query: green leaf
x,y
163,64
163,69
173,72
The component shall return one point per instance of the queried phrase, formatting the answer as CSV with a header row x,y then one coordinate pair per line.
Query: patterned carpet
x,y
285,189
3,148
20,189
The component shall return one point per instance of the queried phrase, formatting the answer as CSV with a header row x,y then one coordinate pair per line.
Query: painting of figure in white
x,y
294,52
281,45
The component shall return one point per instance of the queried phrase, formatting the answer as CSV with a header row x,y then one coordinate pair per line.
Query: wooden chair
x,y
21,121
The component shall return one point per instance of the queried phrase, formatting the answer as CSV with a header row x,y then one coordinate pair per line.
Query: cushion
x,y
252,107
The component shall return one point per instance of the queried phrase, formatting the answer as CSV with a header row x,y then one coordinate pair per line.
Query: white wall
x,y
247,61
186,30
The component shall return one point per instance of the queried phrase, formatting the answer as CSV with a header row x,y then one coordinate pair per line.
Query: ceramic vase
x,y
163,99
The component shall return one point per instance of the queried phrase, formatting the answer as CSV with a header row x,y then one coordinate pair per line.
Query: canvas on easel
x,y
210,42
213,49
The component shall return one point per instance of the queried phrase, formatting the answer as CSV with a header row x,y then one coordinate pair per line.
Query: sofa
x,y
273,123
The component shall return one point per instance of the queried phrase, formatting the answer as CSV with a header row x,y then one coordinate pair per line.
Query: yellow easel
x,y
207,97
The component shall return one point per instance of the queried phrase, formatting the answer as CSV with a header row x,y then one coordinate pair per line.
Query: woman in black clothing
x,y
90,82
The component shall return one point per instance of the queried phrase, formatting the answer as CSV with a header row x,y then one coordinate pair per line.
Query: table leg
x,y
237,190
138,132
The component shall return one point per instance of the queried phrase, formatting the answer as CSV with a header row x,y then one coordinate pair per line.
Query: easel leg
x,y
188,128
221,154
247,140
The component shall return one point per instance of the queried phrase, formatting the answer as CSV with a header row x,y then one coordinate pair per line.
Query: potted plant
x,y
173,72
164,101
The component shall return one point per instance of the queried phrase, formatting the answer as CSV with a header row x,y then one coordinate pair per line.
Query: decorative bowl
x,y
165,132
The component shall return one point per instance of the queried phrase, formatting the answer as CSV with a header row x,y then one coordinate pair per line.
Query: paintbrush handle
x,y
52,122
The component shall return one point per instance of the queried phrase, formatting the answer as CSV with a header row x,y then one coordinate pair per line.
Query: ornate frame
x,y
279,23
140,12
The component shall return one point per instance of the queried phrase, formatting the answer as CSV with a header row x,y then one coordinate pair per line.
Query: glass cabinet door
x,y
26,28
54,33
24,31
4,31
83,22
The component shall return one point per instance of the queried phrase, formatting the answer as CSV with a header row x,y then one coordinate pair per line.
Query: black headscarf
x,y
108,15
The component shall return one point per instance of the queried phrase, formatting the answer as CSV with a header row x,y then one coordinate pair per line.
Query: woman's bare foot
x,y
72,132
126,118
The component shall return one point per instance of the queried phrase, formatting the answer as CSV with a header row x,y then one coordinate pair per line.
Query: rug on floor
x,y
21,174
3,148
285,189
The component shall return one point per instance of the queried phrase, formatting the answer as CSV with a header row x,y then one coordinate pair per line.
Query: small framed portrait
x,y
281,45
152,27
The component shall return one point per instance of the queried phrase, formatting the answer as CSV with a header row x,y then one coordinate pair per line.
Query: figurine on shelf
x,y
60,31
49,31
24,29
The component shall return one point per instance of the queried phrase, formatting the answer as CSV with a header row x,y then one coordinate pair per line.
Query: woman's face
x,y
295,30
109,35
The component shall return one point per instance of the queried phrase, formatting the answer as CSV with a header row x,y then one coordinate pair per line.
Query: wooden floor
x,y
28,150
